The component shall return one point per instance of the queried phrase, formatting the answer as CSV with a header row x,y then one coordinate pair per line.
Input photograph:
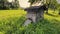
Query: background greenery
x,y
4,4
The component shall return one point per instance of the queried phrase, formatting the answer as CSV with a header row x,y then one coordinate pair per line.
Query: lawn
x,y
11,23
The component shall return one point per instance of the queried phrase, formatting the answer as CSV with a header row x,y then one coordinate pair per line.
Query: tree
x,y
52,4
58,6
58,9
14,5
4,4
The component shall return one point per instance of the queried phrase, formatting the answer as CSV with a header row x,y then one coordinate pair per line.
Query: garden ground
x,y
11,21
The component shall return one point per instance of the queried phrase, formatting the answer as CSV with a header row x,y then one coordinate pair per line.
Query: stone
x,y
34,14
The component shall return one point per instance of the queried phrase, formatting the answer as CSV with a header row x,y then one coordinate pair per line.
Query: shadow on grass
x,y
52,15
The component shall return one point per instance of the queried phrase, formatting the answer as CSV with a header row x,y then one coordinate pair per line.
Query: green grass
x,y
11,23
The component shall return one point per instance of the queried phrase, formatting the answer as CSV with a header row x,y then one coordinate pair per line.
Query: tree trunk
x,y
59,11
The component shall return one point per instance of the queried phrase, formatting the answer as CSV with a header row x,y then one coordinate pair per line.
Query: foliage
x,y
4,4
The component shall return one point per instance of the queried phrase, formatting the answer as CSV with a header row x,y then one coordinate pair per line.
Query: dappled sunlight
x,y
52,16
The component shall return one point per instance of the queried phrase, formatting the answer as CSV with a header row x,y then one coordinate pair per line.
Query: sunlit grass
x,y
1,32
52,15
4,14
11,23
